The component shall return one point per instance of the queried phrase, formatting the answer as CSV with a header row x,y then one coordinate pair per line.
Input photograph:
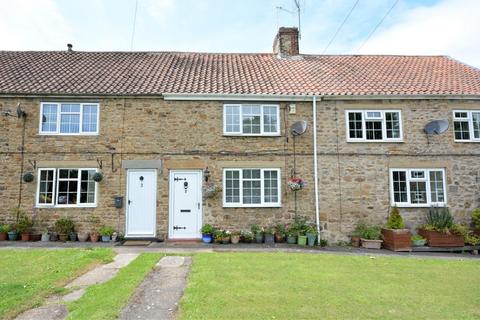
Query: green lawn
x,y
27,277
327,286
105,301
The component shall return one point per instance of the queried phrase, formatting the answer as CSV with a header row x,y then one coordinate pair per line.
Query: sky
x,y
424,27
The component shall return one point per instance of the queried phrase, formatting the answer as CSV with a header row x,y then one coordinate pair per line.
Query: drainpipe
x,y
315,164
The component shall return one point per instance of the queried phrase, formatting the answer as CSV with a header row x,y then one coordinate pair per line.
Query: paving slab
x,y
50,312
103,273
158,295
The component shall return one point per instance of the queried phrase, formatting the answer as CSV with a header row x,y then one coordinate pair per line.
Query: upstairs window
x,y
466,125
251,188
374,125
251,119
66,187
417,187
69,118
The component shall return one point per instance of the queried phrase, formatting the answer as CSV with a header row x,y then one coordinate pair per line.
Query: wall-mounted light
x,y
206,174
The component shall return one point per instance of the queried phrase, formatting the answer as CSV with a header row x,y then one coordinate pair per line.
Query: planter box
x,y
440,239
397,239
371,244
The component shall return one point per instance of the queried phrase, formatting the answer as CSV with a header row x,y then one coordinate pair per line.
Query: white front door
x,y
185,204
141,203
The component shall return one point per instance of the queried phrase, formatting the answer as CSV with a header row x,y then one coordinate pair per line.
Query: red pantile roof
x,y
152,73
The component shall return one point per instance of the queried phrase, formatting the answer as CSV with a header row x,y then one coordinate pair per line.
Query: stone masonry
x,y
354,177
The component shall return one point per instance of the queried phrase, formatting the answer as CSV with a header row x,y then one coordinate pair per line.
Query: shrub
x,y
269,231
207,229
459,229
247,236
4,228
64,226
395,220
323,243
417,237
439,219
255,228
280,229
106,231
369,232
472,240
476,218
25,224
311,229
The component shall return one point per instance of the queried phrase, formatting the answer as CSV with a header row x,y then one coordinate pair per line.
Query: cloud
x,y
446,28
32,25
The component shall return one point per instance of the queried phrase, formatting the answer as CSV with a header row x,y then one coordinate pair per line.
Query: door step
x,y
184,241
136,243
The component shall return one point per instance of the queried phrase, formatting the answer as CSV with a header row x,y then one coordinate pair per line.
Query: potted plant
x,y
311,233
225,237
280,233
246,236
72,235
355,236
269,235
257,232
207,232
296,184
106,233
370,237
235,237
4,229
218,236
418,241
12,234
53,236
395,236
440,229
83,236
292,234
476,221
93,221
24,227
43,224
64,226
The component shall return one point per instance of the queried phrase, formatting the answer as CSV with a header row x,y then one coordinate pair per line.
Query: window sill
x,y
253,206
428,205
252,135
69,134
467,141
375,141
40,206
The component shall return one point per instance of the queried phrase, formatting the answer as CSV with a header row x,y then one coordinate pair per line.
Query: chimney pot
x,y
286,42
69,47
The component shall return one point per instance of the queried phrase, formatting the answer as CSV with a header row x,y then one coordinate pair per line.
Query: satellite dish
x,y
20,112
436,127
298,128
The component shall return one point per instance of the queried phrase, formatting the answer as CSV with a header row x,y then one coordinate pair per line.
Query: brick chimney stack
x,y
286,42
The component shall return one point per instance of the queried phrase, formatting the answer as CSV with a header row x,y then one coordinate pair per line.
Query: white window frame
x,y
262,132
469,119
409,179
55,190
364,128
262,204
59,113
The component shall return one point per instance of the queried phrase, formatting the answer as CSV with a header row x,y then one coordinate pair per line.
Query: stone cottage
x,y
183,139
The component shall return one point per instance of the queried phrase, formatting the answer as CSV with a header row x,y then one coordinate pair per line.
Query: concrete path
x,y
158,296
55,309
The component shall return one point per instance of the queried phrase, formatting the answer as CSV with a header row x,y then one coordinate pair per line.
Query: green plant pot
x,y
259,237
291,239
12,235
311,239
302,240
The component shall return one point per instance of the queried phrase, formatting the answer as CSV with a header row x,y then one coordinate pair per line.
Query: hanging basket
x,y
97,177
296,184
28,177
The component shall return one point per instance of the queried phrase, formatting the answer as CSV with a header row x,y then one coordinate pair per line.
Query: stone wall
x,y
353,177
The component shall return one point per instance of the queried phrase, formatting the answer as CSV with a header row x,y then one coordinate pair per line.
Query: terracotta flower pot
x,y
279,237
355,240
397,239
94,236
35,237
3,236
25,236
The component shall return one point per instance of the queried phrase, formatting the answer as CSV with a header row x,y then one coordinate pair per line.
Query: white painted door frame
x,y
171,233
127,206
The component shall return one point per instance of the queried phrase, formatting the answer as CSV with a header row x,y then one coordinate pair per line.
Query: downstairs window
x,y
66,187
251,188
417,187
